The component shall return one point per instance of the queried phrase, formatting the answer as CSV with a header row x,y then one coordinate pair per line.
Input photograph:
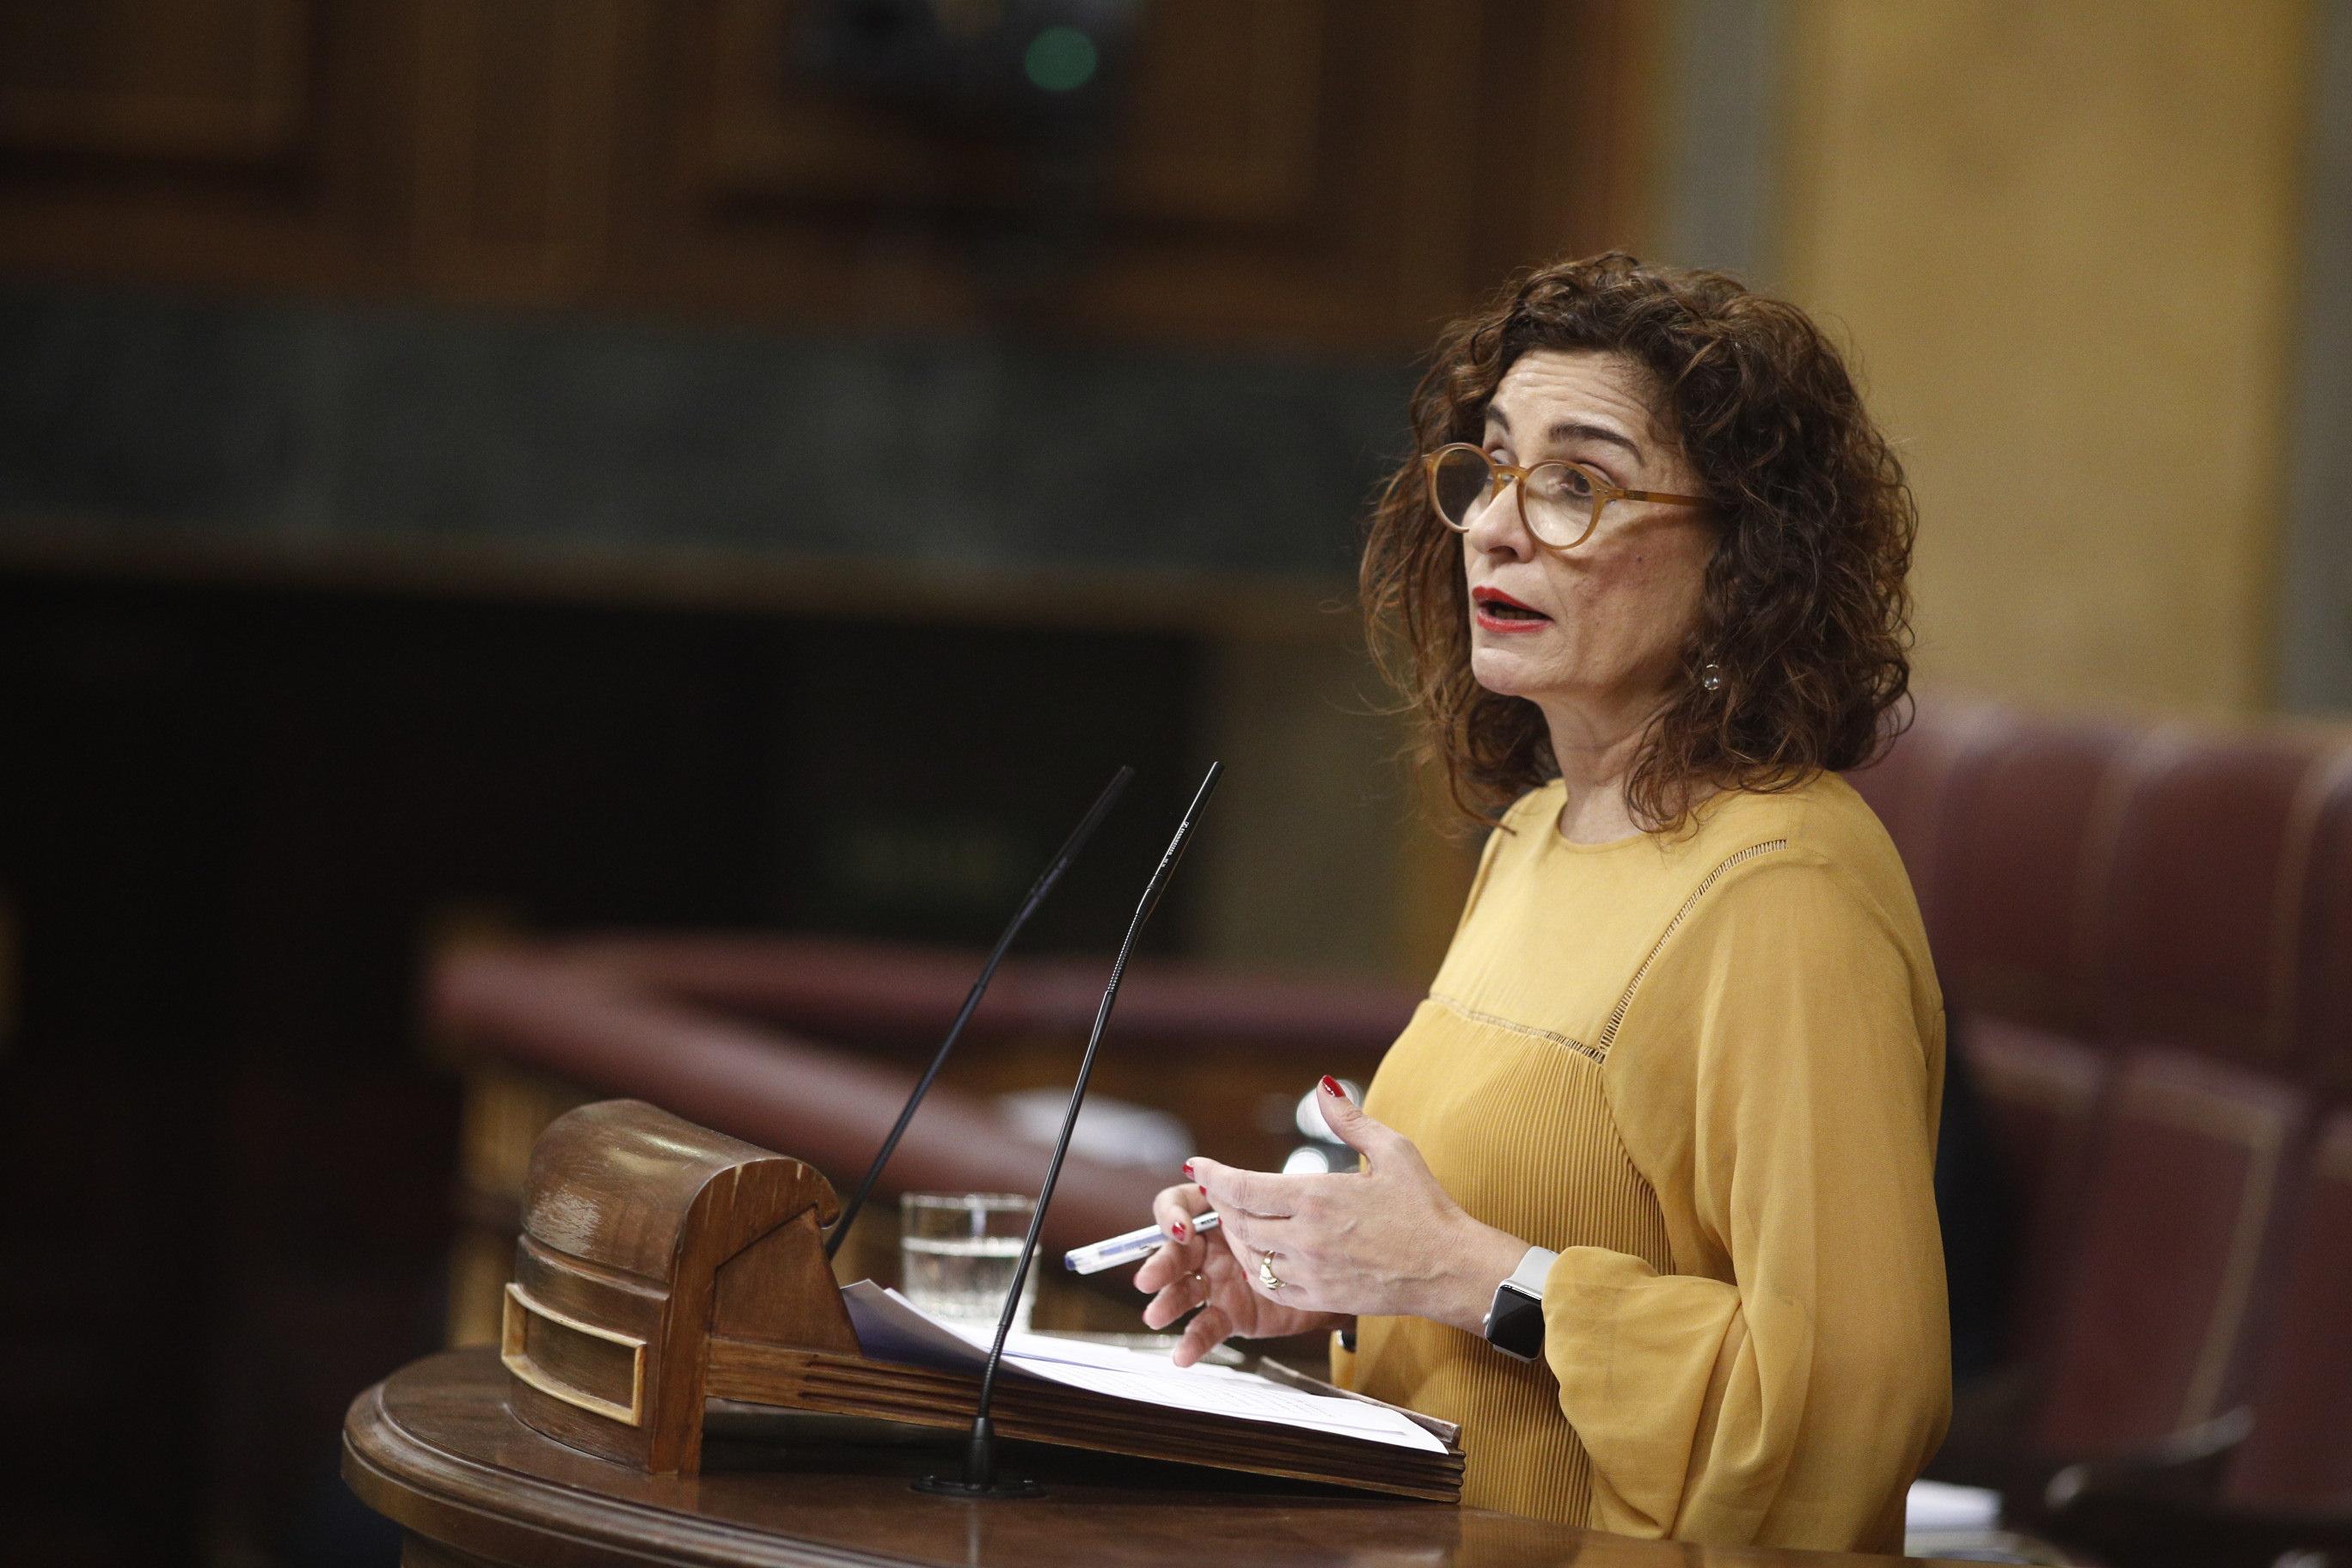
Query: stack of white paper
x,y
891,1328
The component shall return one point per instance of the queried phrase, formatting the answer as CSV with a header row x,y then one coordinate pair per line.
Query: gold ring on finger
x,y
1265,1274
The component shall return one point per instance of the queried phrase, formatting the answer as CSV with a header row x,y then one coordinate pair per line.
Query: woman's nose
x,y
1497,528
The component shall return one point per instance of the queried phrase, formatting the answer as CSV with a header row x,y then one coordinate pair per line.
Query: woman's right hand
x,y
1192,1270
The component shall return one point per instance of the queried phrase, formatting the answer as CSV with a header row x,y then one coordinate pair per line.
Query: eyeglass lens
x,y
1556,499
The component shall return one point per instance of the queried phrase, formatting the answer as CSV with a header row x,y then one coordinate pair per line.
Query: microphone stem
x,y
980,1458
1045,885
1053,1174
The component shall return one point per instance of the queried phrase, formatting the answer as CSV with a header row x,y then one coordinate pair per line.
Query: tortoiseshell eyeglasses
x,y
1560,502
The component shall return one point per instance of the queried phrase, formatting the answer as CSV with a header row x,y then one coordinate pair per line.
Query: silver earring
x,y
1710,676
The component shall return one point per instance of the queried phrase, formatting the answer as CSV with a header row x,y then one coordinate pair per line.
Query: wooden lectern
x,y
651,1248
435,1448
662,1265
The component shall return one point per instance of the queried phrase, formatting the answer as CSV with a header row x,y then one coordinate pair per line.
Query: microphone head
x,y
1178,845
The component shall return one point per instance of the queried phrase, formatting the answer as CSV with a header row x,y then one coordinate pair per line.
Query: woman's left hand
x,y
1385,1241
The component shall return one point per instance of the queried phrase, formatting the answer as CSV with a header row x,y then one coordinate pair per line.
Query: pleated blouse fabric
x,y
1706,1070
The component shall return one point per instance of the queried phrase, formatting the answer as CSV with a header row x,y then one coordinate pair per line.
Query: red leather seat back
x,y
2041,1094
2299,1454
2323,1025
1910,786
2031,831
2179,1202
2200,906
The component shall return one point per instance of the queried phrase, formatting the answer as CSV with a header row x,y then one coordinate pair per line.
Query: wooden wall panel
x,y
514,144
1321,174
1223,126
1220,125
201,141
170,80
1563,164
1318,173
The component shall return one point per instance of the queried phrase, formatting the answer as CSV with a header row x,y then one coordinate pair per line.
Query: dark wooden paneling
x,y
169,81
1222,128
255,142
514,144
1311,172
1334,173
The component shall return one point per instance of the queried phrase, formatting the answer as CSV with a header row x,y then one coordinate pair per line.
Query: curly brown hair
x,y
1804,611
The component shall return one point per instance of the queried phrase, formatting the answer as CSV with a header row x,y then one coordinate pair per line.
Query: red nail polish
x,y
1188,1167
1204,1191
1331,1087
1178,1232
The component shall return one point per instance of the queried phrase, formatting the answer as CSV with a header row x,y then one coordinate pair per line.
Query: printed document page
x,y
891,1328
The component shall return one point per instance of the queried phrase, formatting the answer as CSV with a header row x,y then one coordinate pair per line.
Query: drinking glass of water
x,y
957,1252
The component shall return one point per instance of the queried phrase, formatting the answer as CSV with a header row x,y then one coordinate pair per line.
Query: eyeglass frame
x,y
1497,473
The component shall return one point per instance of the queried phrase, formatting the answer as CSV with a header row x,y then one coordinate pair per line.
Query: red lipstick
x,y
1488,604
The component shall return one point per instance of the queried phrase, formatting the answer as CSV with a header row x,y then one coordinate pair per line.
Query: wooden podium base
x,y
436,1448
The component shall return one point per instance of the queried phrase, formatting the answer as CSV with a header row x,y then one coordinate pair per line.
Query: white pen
x,y
1126,1249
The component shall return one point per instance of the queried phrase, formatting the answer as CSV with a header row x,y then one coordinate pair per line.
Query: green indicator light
x,y
1061,59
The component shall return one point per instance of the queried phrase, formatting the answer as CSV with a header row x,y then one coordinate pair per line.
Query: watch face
x,y
1515,1324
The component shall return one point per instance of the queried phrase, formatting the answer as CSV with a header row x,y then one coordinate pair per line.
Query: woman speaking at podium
x,y
1644,1196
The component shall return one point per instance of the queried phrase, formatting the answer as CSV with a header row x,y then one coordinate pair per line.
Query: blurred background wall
x,y
477,467
2088,258
2064,239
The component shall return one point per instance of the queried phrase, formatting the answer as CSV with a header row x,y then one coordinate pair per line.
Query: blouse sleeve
x,y
1786,1383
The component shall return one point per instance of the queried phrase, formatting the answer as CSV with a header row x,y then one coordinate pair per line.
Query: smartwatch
x,y
1515,1323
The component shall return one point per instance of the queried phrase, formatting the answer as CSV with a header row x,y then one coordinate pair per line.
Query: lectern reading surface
x,y
662,1265
436,1448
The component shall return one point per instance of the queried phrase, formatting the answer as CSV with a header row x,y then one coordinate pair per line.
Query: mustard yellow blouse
x,y
1706,1070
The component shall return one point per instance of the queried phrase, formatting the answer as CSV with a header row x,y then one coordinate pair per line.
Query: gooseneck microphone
x,y
1045,885
980,1477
